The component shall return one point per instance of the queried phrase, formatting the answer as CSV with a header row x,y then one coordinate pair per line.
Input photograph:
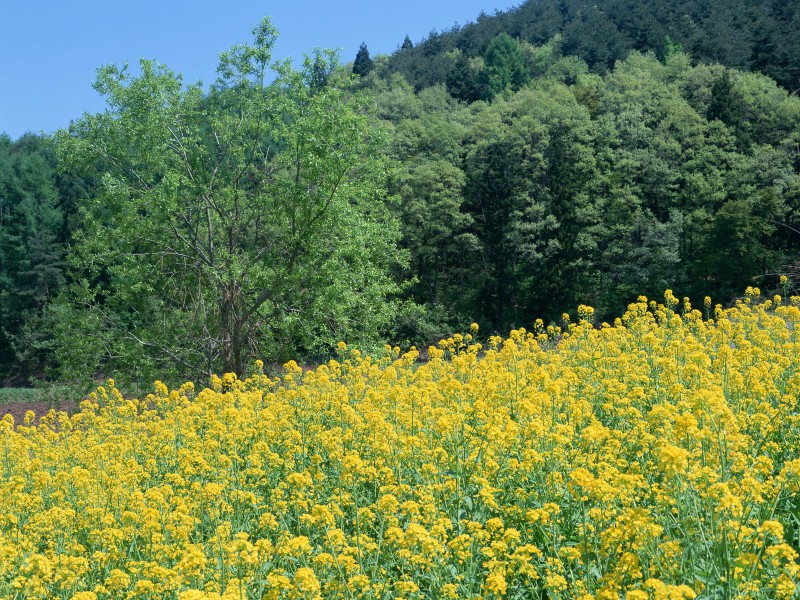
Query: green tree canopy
x,y
246,222
362,65
736,33
32,236
504,66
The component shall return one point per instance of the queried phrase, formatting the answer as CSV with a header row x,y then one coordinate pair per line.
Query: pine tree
x,y
504,67
363,63
407,44
32,267
462,80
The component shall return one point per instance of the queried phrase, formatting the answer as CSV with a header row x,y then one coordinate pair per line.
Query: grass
x,y
53,394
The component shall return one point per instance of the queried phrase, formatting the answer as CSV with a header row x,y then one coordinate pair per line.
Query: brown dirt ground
x,y
18,409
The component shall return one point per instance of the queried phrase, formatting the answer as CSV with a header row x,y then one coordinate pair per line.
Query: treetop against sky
x,y
52,50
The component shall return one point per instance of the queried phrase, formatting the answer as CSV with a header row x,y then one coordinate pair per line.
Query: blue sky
x,y
50,49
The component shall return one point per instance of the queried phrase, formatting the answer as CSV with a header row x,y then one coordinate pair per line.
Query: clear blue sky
x,y
50,49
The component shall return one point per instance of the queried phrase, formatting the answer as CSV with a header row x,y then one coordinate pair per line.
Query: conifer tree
x,y
463,80
32,268
363,63
504,67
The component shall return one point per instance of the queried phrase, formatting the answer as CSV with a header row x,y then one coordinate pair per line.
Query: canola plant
x,y
657,457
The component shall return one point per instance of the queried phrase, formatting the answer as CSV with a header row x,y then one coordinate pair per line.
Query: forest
x,y
555,155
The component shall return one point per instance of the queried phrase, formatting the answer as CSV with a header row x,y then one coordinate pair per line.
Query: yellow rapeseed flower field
x,y
657,457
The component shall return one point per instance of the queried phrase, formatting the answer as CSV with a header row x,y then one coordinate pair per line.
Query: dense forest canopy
x,y
557,154
741,34
581,188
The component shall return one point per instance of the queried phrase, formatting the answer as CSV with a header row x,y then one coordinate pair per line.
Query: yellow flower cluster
x,y
654,458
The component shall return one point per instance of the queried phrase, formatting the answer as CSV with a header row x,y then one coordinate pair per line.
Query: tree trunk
x,y
232,346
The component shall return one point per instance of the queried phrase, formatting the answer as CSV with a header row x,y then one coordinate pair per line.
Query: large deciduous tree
x,y
243,222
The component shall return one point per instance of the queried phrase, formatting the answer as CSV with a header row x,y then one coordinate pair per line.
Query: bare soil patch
x,y
40,408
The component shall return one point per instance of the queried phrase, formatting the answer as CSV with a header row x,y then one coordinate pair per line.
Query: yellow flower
x,y
773,528
297,546
673,459
450,590
406,587
614,452
306,582
496,584
117,580
556,582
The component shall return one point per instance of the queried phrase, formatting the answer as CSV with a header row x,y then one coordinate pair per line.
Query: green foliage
x,y
504,67
54,395
671,48
587,189
736,33
464,78
246,222
362,65
528,172
428,131
493,173
32,237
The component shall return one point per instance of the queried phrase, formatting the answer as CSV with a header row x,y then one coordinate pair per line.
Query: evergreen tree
x,y
504,67
726,106
363,63
32,267
320,67
462,80
407,44
671,48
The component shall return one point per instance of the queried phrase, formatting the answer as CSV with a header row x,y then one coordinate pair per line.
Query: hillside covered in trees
x,y
581,188
741,34
554,155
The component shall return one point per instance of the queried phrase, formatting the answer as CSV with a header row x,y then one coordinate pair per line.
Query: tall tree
x,y
504,67
528,169
32,237
463,80
362,65
246,222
